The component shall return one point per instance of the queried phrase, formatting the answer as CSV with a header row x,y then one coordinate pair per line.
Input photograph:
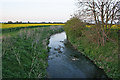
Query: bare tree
x,y
102,12
118,14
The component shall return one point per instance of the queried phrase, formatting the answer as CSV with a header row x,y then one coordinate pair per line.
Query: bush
x,y
74,27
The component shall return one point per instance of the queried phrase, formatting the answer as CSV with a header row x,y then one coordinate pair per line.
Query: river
x,y
66,62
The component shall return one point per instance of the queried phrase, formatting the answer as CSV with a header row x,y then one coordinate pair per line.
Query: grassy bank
x,y
15,30
25,54
105,57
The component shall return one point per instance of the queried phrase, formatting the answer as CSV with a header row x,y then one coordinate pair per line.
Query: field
x,y
113,26
5,26
24,52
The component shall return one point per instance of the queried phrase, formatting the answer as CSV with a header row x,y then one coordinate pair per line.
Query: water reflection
x,y
66,62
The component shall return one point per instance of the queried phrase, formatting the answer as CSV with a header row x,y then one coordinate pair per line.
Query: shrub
x,y
74,27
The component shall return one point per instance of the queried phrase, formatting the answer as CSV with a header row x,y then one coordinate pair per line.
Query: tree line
x,y
20,22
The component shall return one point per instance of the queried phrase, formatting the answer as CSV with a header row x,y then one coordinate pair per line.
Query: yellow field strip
x,y
113,26
4,26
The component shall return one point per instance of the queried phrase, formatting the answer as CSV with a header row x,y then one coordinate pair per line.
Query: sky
x,y
36,10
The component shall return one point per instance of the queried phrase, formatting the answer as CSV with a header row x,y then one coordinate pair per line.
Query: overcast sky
x,y
37,10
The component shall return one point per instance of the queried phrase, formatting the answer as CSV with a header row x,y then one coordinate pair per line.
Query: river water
x,y
66,62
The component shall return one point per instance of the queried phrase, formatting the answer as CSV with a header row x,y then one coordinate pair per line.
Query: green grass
x,y
105,57
13,31
24,55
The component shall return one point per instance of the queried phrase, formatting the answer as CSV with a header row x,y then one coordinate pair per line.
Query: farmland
x,y
5,26
14,28
113,26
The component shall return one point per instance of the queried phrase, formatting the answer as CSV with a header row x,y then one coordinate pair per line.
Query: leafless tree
x,y
102,12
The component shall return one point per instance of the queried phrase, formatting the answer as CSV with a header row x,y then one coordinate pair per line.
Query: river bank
x,y
66,62
105,57
105,61
26,52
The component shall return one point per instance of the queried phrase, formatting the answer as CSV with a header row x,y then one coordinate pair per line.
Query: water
x,y
66,62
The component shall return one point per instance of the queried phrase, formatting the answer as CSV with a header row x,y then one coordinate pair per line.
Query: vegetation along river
x,y
66,62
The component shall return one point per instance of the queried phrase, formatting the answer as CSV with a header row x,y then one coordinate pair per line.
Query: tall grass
x,y
25,54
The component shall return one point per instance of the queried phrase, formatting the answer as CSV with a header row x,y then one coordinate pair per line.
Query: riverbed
x,y
66,62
